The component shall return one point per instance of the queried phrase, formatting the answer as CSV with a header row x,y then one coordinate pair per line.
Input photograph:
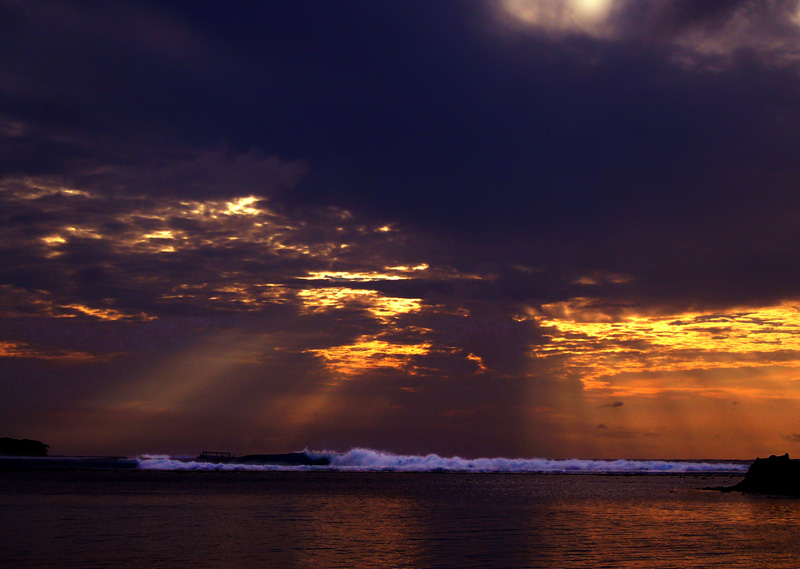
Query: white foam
x,y
368,460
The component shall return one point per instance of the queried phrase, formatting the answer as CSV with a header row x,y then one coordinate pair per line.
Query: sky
x,y
528,228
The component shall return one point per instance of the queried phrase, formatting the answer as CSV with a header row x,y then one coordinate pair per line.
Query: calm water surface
x,y
340,519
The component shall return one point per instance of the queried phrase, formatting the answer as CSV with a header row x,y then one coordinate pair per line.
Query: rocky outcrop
x,y
773,475
287,459
22,447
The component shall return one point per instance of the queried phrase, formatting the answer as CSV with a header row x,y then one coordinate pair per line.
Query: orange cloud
x,y
640,354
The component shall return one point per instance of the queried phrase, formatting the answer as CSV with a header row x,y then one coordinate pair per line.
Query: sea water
x,y
332,517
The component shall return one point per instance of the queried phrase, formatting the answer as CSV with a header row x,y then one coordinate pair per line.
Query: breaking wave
x,y
368,460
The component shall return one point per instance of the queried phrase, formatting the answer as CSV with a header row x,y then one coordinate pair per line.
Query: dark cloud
x,y
210,173
718,19
675,17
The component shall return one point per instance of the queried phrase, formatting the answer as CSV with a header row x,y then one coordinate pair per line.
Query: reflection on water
x,y
377,530
318,520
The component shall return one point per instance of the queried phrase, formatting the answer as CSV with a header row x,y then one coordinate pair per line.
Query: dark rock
x,y
773,475
287,459
22,447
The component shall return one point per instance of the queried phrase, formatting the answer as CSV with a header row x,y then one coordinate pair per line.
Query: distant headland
x,y
22,447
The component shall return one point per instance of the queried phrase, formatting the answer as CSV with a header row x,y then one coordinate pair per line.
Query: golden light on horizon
x,y
640,354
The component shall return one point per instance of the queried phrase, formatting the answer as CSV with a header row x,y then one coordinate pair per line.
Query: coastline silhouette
x,y
22,447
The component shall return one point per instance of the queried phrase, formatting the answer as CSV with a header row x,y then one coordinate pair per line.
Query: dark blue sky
x,y
445,186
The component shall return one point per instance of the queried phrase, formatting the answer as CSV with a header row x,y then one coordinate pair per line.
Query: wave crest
x,y
369,460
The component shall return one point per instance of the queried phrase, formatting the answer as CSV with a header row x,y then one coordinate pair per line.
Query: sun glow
x,y
556,15
591,10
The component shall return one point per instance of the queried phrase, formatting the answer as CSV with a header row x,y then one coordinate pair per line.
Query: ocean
x,y
410,512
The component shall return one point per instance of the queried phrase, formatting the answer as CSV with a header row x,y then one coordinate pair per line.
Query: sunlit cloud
x,y
242,206
34,188
235,231
22,350
641,354
18,303
602,278
478,361
389,274
381,307
103,313
369,353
